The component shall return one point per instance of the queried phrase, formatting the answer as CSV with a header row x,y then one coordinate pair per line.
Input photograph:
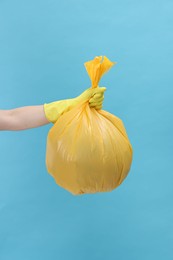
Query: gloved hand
x,y
54,110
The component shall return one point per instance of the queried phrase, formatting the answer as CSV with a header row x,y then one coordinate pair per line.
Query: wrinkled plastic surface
x,y
88,150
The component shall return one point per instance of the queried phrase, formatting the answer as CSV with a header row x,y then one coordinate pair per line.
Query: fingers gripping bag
x,y
88,150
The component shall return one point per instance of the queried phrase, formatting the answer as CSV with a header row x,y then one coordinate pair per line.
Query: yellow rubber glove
x,y
54,110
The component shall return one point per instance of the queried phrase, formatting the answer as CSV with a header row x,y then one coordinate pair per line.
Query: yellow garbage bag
x,y
88,150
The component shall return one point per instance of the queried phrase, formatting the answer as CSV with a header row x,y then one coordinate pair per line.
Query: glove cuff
x,y
55,109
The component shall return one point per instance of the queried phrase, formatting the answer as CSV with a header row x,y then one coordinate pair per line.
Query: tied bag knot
x,y
96,68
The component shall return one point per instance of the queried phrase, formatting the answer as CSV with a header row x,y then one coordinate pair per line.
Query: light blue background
x,y
43,47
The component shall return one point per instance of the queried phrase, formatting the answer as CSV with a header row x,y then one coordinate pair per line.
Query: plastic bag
x,y
88,150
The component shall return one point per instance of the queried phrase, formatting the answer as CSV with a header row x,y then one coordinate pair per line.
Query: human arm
x,y
23,118
34,116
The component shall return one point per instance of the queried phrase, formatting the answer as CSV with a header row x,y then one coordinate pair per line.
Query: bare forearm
x,y
22,118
